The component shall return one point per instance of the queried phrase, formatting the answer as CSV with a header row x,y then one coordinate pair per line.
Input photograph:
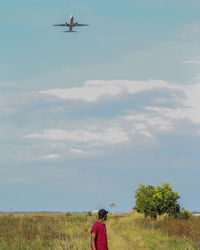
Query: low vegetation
x,y
72,231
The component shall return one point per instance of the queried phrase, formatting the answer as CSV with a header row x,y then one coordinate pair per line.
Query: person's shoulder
x,y
95,228
96,224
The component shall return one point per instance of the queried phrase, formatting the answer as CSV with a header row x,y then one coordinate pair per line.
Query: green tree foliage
x,y
112,206
153,201
184,214
144,200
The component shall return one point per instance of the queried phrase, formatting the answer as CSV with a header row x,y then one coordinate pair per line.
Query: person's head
x,y
102,214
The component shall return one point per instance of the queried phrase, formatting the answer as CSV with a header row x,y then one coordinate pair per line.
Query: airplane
x,y
71,24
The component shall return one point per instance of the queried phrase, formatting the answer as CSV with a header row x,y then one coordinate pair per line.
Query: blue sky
x,y
86,117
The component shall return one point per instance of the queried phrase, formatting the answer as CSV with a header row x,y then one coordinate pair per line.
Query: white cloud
x,y
111,135
146,124
192,61
16,180
93,90
8,84
50,157
150,120
58,145
181,102
146,133
190,106
78,151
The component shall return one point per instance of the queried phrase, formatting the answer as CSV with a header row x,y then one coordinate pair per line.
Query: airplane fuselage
x,y
71,22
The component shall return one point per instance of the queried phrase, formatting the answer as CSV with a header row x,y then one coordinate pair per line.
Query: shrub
x,y
184,214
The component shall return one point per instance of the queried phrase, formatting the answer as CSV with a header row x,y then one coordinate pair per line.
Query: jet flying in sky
x,y
71,24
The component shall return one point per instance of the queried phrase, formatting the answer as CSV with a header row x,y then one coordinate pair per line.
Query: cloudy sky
x,y
86,117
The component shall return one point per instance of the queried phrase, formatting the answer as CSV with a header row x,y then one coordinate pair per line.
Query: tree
x,y
153,201
166,200
112,205
144,200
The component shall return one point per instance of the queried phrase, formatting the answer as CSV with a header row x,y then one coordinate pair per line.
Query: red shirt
x,y
101,236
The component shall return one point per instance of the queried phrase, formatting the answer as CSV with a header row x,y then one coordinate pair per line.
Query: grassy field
x,y
125,232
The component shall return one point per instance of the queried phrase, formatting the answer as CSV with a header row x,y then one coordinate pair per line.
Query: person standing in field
x,y
98,232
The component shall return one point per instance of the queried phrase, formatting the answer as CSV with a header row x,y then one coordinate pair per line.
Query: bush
x,y
184,214
89,213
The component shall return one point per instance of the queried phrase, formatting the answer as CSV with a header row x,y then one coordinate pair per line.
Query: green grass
x,y
125,232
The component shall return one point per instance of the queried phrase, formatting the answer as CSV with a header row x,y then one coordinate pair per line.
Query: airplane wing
x,y
78,24
63,24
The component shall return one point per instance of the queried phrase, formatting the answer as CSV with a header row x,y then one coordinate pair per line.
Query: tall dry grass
x,y
186,229
125,232
45,232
